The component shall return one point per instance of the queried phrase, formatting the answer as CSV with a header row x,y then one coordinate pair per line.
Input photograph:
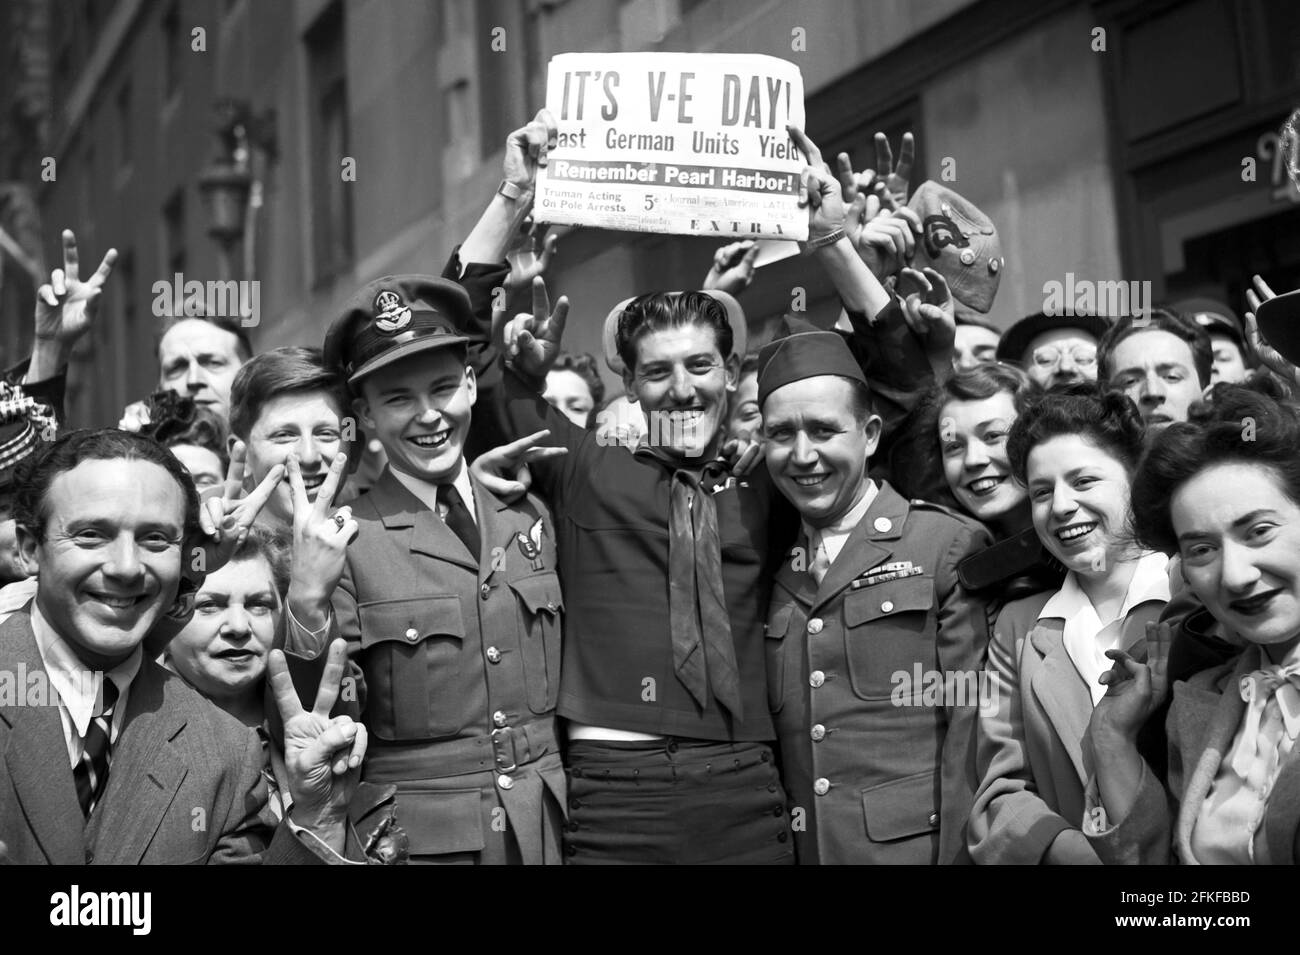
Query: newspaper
x,y
684,143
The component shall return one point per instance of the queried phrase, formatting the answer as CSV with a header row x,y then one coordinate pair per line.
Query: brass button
x,y
815,625
504,781
818,732
412,634
934,819
887,607
883,525
493,655
967,257
499,718
485,591
816,678
822,786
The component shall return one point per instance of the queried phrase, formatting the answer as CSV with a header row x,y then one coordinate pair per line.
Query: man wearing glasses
x,y
1055,350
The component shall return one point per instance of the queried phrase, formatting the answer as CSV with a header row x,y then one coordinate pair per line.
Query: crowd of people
x,y
909,589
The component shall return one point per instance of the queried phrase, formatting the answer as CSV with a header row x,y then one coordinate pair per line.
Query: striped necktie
x,y
91,772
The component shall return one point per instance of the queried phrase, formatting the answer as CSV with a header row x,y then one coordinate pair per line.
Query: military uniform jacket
x,y
873,680
460,664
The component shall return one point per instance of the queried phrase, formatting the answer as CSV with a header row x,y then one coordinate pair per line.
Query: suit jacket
x,y
185,785
1203,720
883,774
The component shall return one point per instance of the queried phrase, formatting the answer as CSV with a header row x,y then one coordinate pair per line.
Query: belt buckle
x,y
499,734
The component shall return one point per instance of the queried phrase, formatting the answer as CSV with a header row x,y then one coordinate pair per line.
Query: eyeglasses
x,y
1049,357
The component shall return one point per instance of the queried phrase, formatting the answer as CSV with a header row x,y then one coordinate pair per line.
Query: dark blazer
x,y
1202,723
185,786
897,769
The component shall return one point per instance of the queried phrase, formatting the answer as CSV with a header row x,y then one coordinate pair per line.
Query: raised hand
x,y
1266,354
532,342
320,539
526,150
733,267
525,262
742,455
887,242
322,756
504,470
226,513
1134,689
135,416
65,306
896,177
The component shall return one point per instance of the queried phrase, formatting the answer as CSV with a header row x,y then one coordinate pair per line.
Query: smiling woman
x,y
1076,452
1223,490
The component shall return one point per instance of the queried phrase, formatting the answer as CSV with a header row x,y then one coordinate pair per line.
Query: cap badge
x,y
939,232
390,314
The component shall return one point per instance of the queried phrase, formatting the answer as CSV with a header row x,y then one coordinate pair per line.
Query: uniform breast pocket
x,y
888,628
778,624
540,605
413,661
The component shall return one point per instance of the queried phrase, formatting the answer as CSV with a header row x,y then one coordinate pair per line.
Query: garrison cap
x,y
804,355
395,317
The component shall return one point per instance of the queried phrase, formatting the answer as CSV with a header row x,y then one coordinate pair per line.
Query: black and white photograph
x,y
650,432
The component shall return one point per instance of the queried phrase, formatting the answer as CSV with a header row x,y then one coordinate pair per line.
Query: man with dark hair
x,y
867,618
118,757
286,404
1162,361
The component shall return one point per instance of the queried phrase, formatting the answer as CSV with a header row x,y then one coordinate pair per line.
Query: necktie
x,y
91,772
1272,697
821,561
697,609
458,517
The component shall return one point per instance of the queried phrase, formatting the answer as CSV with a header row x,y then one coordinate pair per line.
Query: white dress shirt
x,y
427,491
78,687
827,542
1085,636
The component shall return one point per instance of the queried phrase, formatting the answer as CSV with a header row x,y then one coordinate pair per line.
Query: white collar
x,y
79,687
427,491
844,526
1150,582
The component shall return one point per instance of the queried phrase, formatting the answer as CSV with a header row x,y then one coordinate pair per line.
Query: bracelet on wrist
x,y
821,241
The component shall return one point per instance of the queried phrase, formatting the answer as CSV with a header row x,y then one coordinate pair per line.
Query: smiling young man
x,y
448,597
867,619
286,402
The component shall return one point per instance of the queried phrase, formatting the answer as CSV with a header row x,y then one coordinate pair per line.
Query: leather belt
x,y
501,751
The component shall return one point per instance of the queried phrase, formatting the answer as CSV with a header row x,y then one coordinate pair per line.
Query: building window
x,y
328,102
171,58
174,232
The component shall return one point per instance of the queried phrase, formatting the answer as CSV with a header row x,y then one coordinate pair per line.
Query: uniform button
x,y
765,756
412,634
571,850
493,655
782,836
504,781
934,818
771,787
90,857
574,804
672,746
550,605
994,265
887,607
816,678
883,525
818,732
485,591
499,718
778,810
822,786
815,625
967,257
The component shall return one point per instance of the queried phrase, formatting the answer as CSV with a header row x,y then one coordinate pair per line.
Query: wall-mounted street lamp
x,y
231,184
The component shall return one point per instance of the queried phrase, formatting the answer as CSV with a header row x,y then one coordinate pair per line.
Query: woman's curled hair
x,y
1240,426
1106,419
